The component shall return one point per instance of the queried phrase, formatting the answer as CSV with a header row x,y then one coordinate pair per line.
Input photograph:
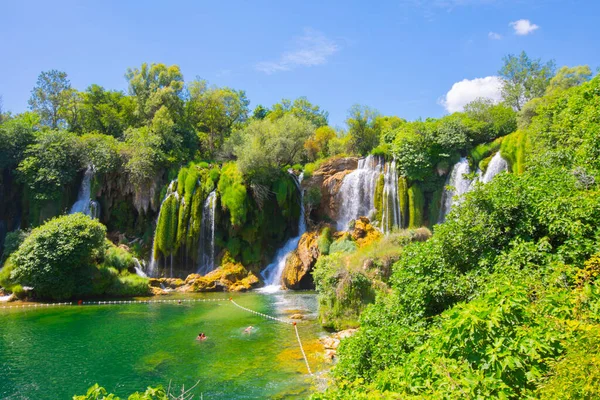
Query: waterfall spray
x,y
357,192
84,203
206,245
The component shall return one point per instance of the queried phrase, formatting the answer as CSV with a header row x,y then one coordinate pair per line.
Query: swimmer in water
x,y
248,329
201,336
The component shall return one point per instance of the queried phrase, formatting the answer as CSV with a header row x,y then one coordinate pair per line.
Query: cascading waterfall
x,y
463,185
138,268
458,185
497,164
84,203
356,197
390,217
206,246
153,264
273,272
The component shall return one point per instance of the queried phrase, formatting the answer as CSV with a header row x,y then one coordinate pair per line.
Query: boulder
x,y
363,232
300,263
297,316
230,276
328,179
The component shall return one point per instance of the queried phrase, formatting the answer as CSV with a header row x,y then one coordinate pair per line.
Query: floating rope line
x,y
283,322
302,349
97,303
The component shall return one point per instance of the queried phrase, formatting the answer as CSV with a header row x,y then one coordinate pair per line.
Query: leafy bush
x,y
117,257
54,255
324,241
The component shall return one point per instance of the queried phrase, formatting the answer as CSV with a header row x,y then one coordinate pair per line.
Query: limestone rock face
x,y
299,265
363,232
328,179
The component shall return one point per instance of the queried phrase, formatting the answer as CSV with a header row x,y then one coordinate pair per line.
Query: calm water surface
x,y
58,352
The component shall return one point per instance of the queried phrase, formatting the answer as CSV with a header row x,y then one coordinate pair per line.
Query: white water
x,y
390,217
462,185
497,164
153,264
456,185
138,268
206,245
357,192
272,273
84,203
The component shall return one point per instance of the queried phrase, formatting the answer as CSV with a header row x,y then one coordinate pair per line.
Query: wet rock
x,y
297,316
328,179
230,276
300,263
363,232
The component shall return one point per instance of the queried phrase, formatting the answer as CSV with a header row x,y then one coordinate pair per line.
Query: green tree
x,y
317,146
50,96
300,108
568,77
260,112
264,146
214,112
154,86
361,128
16,135
56,255
50,164
106,111
524,79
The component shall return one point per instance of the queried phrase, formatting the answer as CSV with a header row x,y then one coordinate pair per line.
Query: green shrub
x,y
324,241
128,285
342,245
12,241
117,257
54,255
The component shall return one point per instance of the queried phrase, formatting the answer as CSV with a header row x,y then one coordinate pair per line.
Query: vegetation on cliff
x,y
499,300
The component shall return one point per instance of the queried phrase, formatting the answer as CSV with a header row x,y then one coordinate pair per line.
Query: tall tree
x,y
567,77
154,86
49,96
214,111
361,128
524,79
300,108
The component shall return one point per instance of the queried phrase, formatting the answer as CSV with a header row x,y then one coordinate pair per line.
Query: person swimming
x,y
248,329
201,336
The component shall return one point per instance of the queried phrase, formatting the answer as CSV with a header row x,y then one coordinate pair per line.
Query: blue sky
x,y
400,57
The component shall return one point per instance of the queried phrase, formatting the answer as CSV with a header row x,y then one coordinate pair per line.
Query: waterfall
x,y
390,217
272,273
84,203
138,268
153,264
458,185
497,164
206,246
357,192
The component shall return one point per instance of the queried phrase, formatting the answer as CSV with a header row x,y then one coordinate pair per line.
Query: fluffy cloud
x,y
523,27
310,49
465,91
494,36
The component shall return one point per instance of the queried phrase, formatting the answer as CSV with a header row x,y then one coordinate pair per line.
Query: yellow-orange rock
x,y
363,232
299,264
230,276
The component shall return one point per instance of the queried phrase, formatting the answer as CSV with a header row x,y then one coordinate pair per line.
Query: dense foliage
x,y
69,257
499,300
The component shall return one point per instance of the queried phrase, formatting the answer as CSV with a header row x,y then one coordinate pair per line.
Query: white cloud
x,y
524,27
310,49
465,91
494,36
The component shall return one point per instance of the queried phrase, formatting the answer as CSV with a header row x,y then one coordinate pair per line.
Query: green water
x,y
58,352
